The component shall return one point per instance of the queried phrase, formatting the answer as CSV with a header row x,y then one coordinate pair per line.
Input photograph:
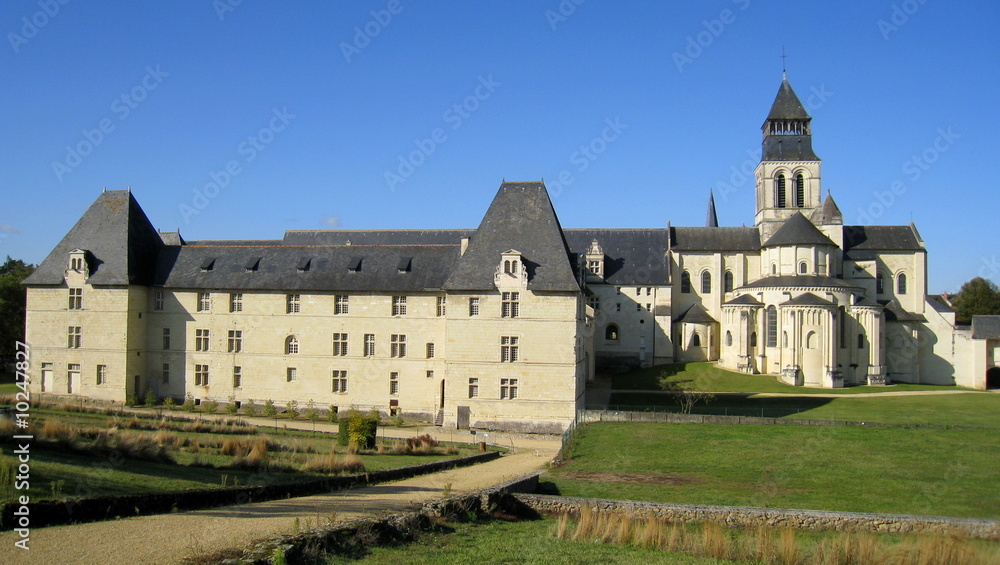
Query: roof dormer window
x,y
510,273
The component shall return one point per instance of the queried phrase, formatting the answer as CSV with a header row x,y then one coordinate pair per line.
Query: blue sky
x,y
408,114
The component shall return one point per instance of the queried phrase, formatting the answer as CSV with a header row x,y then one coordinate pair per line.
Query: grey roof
x,y
895,313
786,105
696,314
798,230
743,299
172,238
121,242
631,256
881,238
520,217
712,220
792,281
827,214
986,327
939,303
781,147
375,237
715,239
807,299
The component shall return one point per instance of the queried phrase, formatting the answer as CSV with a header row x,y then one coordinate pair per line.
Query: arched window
x,y
706,283
901,284
811,340
753,339
779,191
727,282
685,282
784,339
513,267
696,340
774,268
880,283
611,332
729,339
772,326
842,316
800,190
291,345
803,268
861,341
506,266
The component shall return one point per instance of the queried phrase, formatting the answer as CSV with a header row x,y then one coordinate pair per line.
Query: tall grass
x,y
331,464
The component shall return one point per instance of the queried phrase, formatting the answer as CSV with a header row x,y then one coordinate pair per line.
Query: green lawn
x,y
8,383
950,472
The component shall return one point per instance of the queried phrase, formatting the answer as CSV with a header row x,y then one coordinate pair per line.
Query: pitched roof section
x,y
786,105
715,239
986,327
121,242
881,238
712,221
631,256
807,299
743,300
520,217
696,314
798,230
374,237
828,214
793,281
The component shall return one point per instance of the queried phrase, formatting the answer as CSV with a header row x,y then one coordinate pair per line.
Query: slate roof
x,y
712,219
881,238
631,256
798,230
986,327
715,239
807,299
895,313
743,299
791,281
121,242
938,303
696,314
828,214
375,237
520,217
786,104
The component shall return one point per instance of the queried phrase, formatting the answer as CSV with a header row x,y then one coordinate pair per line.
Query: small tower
x,y
712,220
788,176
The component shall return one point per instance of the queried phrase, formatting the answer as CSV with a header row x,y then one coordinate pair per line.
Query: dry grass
x,y
130,445
331,464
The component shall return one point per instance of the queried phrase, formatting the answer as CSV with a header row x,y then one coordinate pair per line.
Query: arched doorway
x,y
993,378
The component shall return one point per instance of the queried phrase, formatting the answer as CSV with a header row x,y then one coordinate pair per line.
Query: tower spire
x,y
712,220
783,60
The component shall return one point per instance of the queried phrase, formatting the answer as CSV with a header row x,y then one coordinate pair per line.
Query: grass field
x,y
950,472
8,383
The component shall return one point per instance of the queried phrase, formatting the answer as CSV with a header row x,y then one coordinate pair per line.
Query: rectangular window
x,y
158,300
339,344
340,381
237,377
204,301
473,387
291,373
638,307
649,290
398,305
165,373
235,341
509,304
201,375
638,291
618,307
369,345
102,374
341,304
236,302
618,290
75,337
393,383
430,374
508,348
397,345
594,302
649,307
430,350
473,306
76,299
442,305
292,304
508,389
166,338
201,340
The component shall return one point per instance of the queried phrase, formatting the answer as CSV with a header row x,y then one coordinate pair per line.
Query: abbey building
x,y
501,326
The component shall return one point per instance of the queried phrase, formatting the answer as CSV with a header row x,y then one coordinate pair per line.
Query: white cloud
x,y
331,221
9,228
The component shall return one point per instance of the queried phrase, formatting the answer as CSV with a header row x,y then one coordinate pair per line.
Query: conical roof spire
x,y
786,105
712,221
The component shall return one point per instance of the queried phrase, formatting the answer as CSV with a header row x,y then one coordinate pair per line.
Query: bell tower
x,y
788,176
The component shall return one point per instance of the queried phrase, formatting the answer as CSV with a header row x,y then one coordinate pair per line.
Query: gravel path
x,y
168,538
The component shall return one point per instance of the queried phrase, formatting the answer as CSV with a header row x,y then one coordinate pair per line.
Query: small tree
x,y
271,411
978,297
312,414
684,393
250,409
292,409
210,406
188,402
231,407
151,398
169,402
331,413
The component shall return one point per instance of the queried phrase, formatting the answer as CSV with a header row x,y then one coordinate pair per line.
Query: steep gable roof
x,y
696,314
712,218
521,217
631,256
881,238
743,300
798,230
121,242
828,214
786,105
807,299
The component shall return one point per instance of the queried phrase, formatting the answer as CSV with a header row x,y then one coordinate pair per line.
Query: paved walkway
x,y
168,538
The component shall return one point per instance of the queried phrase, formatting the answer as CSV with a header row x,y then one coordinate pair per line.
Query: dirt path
x,y
167,538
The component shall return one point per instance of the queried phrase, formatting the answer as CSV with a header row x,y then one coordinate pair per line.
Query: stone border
x,y
744,517
96,509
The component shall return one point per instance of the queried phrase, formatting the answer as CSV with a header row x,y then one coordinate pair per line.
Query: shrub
x,y
292,409
250,409
210,406
169,402
231,407
188,402
151,398
271,411
331,413
361,429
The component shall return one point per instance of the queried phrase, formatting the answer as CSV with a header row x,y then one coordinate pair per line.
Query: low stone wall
x,y
588,416
750,518
95,509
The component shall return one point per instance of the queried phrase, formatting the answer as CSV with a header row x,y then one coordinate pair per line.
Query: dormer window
x,y
208,264
595,259
252,264
78,262
510,273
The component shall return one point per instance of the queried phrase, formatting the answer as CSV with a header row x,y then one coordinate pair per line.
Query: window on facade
x,y
76,299
685,282
76,264
729,338
772,326
842,318
508,389
638,291
611,333
398,305
638,307
430,374
800,190
237,377
901,284
695,340
727,282
165,373
201,375
594,302
397,345
236,302
291,374
204,301
618,306
594,267
341,304
201,340
803,268
509,304
442,305
339,344
861,341
774,268
166,338
510,267
393,383
369,345
618,290
75,337
339,381
779,191
473,387
158,300
706,283
784,339
649,307
811,340
880,283
430,350
508,348
292,304
102,374
753,339
235,341
473,306
291,345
